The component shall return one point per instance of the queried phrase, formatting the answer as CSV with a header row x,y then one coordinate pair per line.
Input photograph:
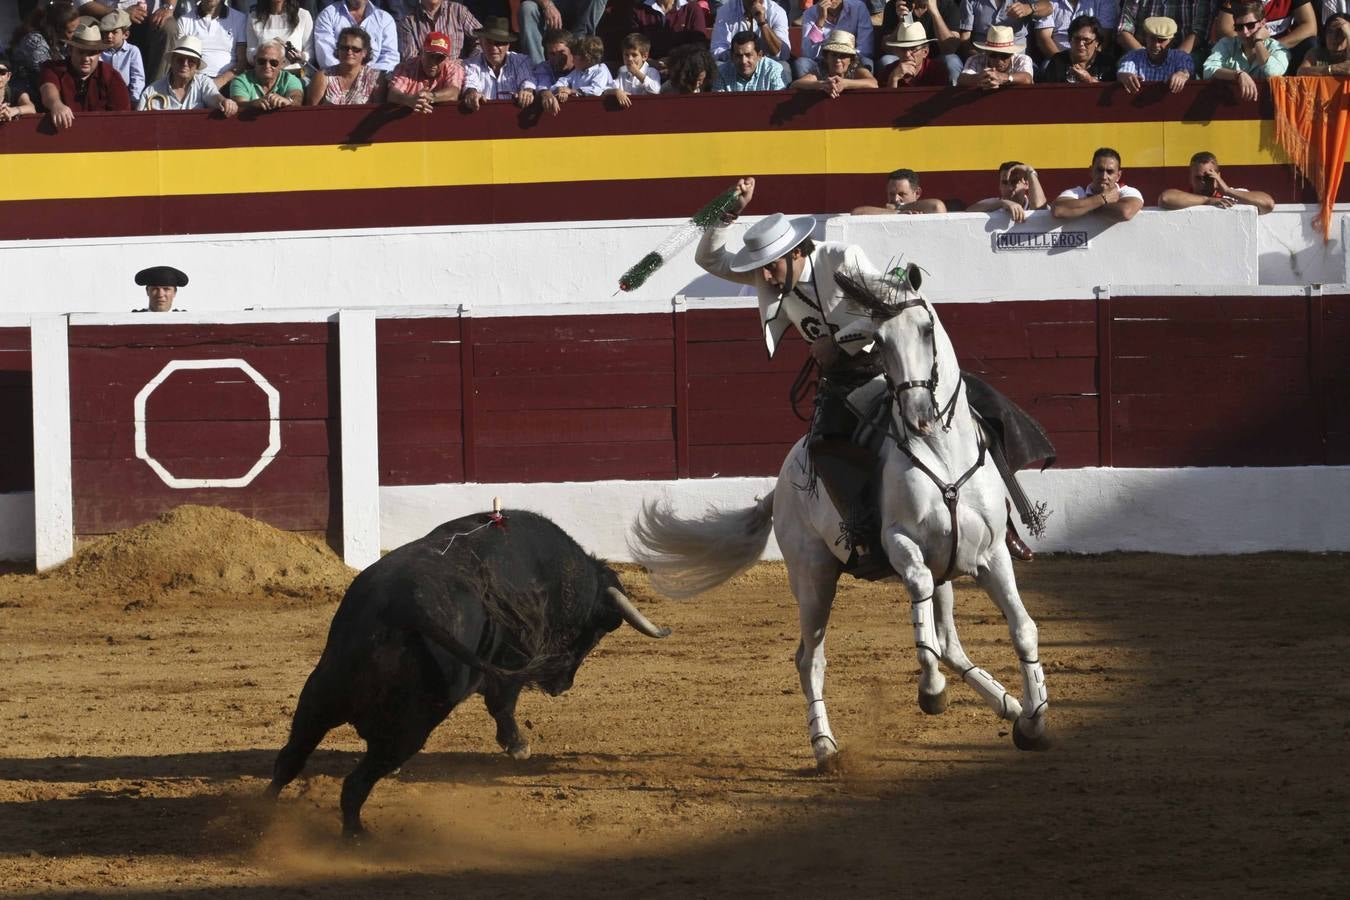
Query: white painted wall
x,y
1183,511
580,263
1292,252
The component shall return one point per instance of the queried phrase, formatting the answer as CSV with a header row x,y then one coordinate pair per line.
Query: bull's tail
x,y
689,556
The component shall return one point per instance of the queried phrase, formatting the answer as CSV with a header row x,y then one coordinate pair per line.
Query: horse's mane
x,y
880,296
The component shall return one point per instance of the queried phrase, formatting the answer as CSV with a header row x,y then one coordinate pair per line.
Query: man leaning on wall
x,y
1208,188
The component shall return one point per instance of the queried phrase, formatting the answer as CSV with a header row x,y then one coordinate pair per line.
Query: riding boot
x,y
1018,549
845,469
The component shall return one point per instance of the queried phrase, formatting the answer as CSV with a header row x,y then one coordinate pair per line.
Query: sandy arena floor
x,y
1200,709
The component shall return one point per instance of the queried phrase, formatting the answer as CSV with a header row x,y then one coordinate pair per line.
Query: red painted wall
x,y
210,423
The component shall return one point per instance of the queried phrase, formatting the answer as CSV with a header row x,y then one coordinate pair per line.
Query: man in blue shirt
x,y
747,69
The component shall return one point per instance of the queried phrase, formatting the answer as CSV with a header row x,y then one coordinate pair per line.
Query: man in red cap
x,y
435,76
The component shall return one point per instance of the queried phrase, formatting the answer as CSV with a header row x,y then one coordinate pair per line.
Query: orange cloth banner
x,y
1312,120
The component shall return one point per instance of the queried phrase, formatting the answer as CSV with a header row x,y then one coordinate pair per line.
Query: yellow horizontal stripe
x,y
258,170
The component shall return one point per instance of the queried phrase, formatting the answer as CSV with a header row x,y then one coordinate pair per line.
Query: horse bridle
x,y
951,491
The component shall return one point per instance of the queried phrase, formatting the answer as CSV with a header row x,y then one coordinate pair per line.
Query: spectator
x,y
14,98
1087,61
1253,54
747,69
353,81
941,21
288,22
1106,195
267,86
1209,189
1000,62
537,16
432,78
494,72
185,87
1332,56
824,18
1156,61
1291,22
224,35
348,13
1019,192
44,37
978,16
161,283
153,31
668,23
446,16
915,64
903,196
690,69
589,76
124,57
1054,32
841,68
81,81
1191,19
766,19
557,57
636,77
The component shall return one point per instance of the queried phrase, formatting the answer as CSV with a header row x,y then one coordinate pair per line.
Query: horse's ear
x,y
906,276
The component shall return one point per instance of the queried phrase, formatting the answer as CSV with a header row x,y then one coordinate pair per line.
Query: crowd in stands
x,y
70,56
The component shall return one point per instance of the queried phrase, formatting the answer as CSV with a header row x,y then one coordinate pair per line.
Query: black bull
x,y
476,606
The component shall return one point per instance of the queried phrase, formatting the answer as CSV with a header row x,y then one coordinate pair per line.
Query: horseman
x,y
794,278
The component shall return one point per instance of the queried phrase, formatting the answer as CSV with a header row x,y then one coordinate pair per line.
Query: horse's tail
x,y
689,556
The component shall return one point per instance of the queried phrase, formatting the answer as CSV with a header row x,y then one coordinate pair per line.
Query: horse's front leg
x,y
954,655
907,560
813,576
1030,730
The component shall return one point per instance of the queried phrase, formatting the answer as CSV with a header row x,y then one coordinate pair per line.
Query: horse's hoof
x,y
519,751
827,754
1025,741
933,703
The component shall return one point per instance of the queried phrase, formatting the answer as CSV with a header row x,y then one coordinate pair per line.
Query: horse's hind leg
x,y
954,655
813,575
1029,728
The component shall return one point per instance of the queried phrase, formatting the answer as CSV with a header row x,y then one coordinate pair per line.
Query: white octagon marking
x,y
273,425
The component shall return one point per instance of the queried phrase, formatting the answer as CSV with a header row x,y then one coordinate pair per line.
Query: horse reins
x,y
951,492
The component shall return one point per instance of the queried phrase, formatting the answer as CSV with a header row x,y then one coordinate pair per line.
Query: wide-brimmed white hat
x,y
911,35
769,238
1000,39
188,45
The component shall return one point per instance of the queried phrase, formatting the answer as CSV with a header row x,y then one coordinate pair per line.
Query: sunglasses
x,y
351,48
267,62
1247,26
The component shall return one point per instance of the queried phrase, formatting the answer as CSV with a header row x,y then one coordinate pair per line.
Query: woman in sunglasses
x,y
352,81
14,100
1332,56
267,86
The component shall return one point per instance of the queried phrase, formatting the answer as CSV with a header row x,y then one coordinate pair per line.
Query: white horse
x,y
943,514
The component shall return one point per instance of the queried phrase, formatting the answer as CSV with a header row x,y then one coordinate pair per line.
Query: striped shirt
x,y
1191,16
1136,62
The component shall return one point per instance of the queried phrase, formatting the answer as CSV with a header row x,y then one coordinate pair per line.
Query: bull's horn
x,y
633,616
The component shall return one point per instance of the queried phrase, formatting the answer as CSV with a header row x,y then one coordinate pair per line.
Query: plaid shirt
x,y
1137,62
452,19
1191,16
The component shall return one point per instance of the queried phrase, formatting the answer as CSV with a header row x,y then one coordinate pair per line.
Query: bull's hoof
x,y
354,831
933,704
519,750
1024,740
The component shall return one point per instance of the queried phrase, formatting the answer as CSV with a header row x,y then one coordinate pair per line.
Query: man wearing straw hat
x,y
81,80
915,66
999,63
185,87
793,277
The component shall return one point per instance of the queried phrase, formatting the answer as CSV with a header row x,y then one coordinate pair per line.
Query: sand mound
x,y
204,553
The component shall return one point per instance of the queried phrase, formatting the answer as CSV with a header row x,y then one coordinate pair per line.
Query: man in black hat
x,y
161,286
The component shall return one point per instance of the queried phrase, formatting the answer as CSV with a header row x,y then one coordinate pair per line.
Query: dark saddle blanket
x,y
1015,441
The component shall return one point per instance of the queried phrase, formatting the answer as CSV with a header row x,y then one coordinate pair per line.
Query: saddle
x,y
1013,437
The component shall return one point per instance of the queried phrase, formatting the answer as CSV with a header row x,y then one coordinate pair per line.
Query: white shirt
x,y
218,36
377,23
517,75
731,19
301,37
1081,193
649,84
201,90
